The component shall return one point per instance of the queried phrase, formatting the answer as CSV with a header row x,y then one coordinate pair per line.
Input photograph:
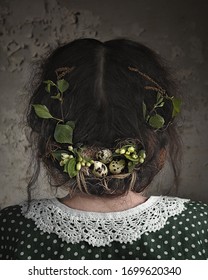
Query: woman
x,y
102,119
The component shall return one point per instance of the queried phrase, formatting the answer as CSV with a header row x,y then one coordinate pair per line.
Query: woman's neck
x,y
102,204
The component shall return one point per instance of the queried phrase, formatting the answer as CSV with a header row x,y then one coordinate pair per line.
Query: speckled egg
x,y
104,156
100,169
117,166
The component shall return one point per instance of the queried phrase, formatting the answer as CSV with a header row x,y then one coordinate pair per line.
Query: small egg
x,y
100,169
116,166
105,156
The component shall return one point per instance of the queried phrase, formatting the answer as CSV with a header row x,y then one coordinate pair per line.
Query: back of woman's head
x,y
105,100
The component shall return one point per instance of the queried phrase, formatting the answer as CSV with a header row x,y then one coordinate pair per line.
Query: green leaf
x,y
42,111
131,167
49,83
63,133
144,108
71,168
58,96
63,85
71,124
160,98
156,121
176,106
66,168
57,154
161,104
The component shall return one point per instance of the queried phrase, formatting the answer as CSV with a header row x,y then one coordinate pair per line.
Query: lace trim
x,y
100,229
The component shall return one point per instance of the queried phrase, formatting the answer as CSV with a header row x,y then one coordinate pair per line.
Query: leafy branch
x,y
61,86
154,119
63,131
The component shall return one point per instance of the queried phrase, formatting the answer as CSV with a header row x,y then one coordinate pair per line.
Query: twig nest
x,y
104,156
100,169
117,166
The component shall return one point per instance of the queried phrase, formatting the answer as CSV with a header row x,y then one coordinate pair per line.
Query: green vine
x,y
63,131
152,117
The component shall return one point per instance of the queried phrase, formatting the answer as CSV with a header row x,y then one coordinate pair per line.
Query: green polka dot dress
x,y
161,228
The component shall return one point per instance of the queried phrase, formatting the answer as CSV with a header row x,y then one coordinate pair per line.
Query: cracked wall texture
x,y
177,30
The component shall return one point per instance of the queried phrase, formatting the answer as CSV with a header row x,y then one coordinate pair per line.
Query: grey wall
x,y
175,29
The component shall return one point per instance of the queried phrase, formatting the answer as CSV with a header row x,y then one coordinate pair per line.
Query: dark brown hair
x,y
104,99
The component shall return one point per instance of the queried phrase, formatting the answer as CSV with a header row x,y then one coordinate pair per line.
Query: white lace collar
x,y
100,229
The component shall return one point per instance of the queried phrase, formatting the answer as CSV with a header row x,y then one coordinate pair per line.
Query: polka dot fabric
x,y
184,236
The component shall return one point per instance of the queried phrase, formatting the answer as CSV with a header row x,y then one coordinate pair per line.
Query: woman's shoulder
x,y
197,206
10,211
196,210
12,217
